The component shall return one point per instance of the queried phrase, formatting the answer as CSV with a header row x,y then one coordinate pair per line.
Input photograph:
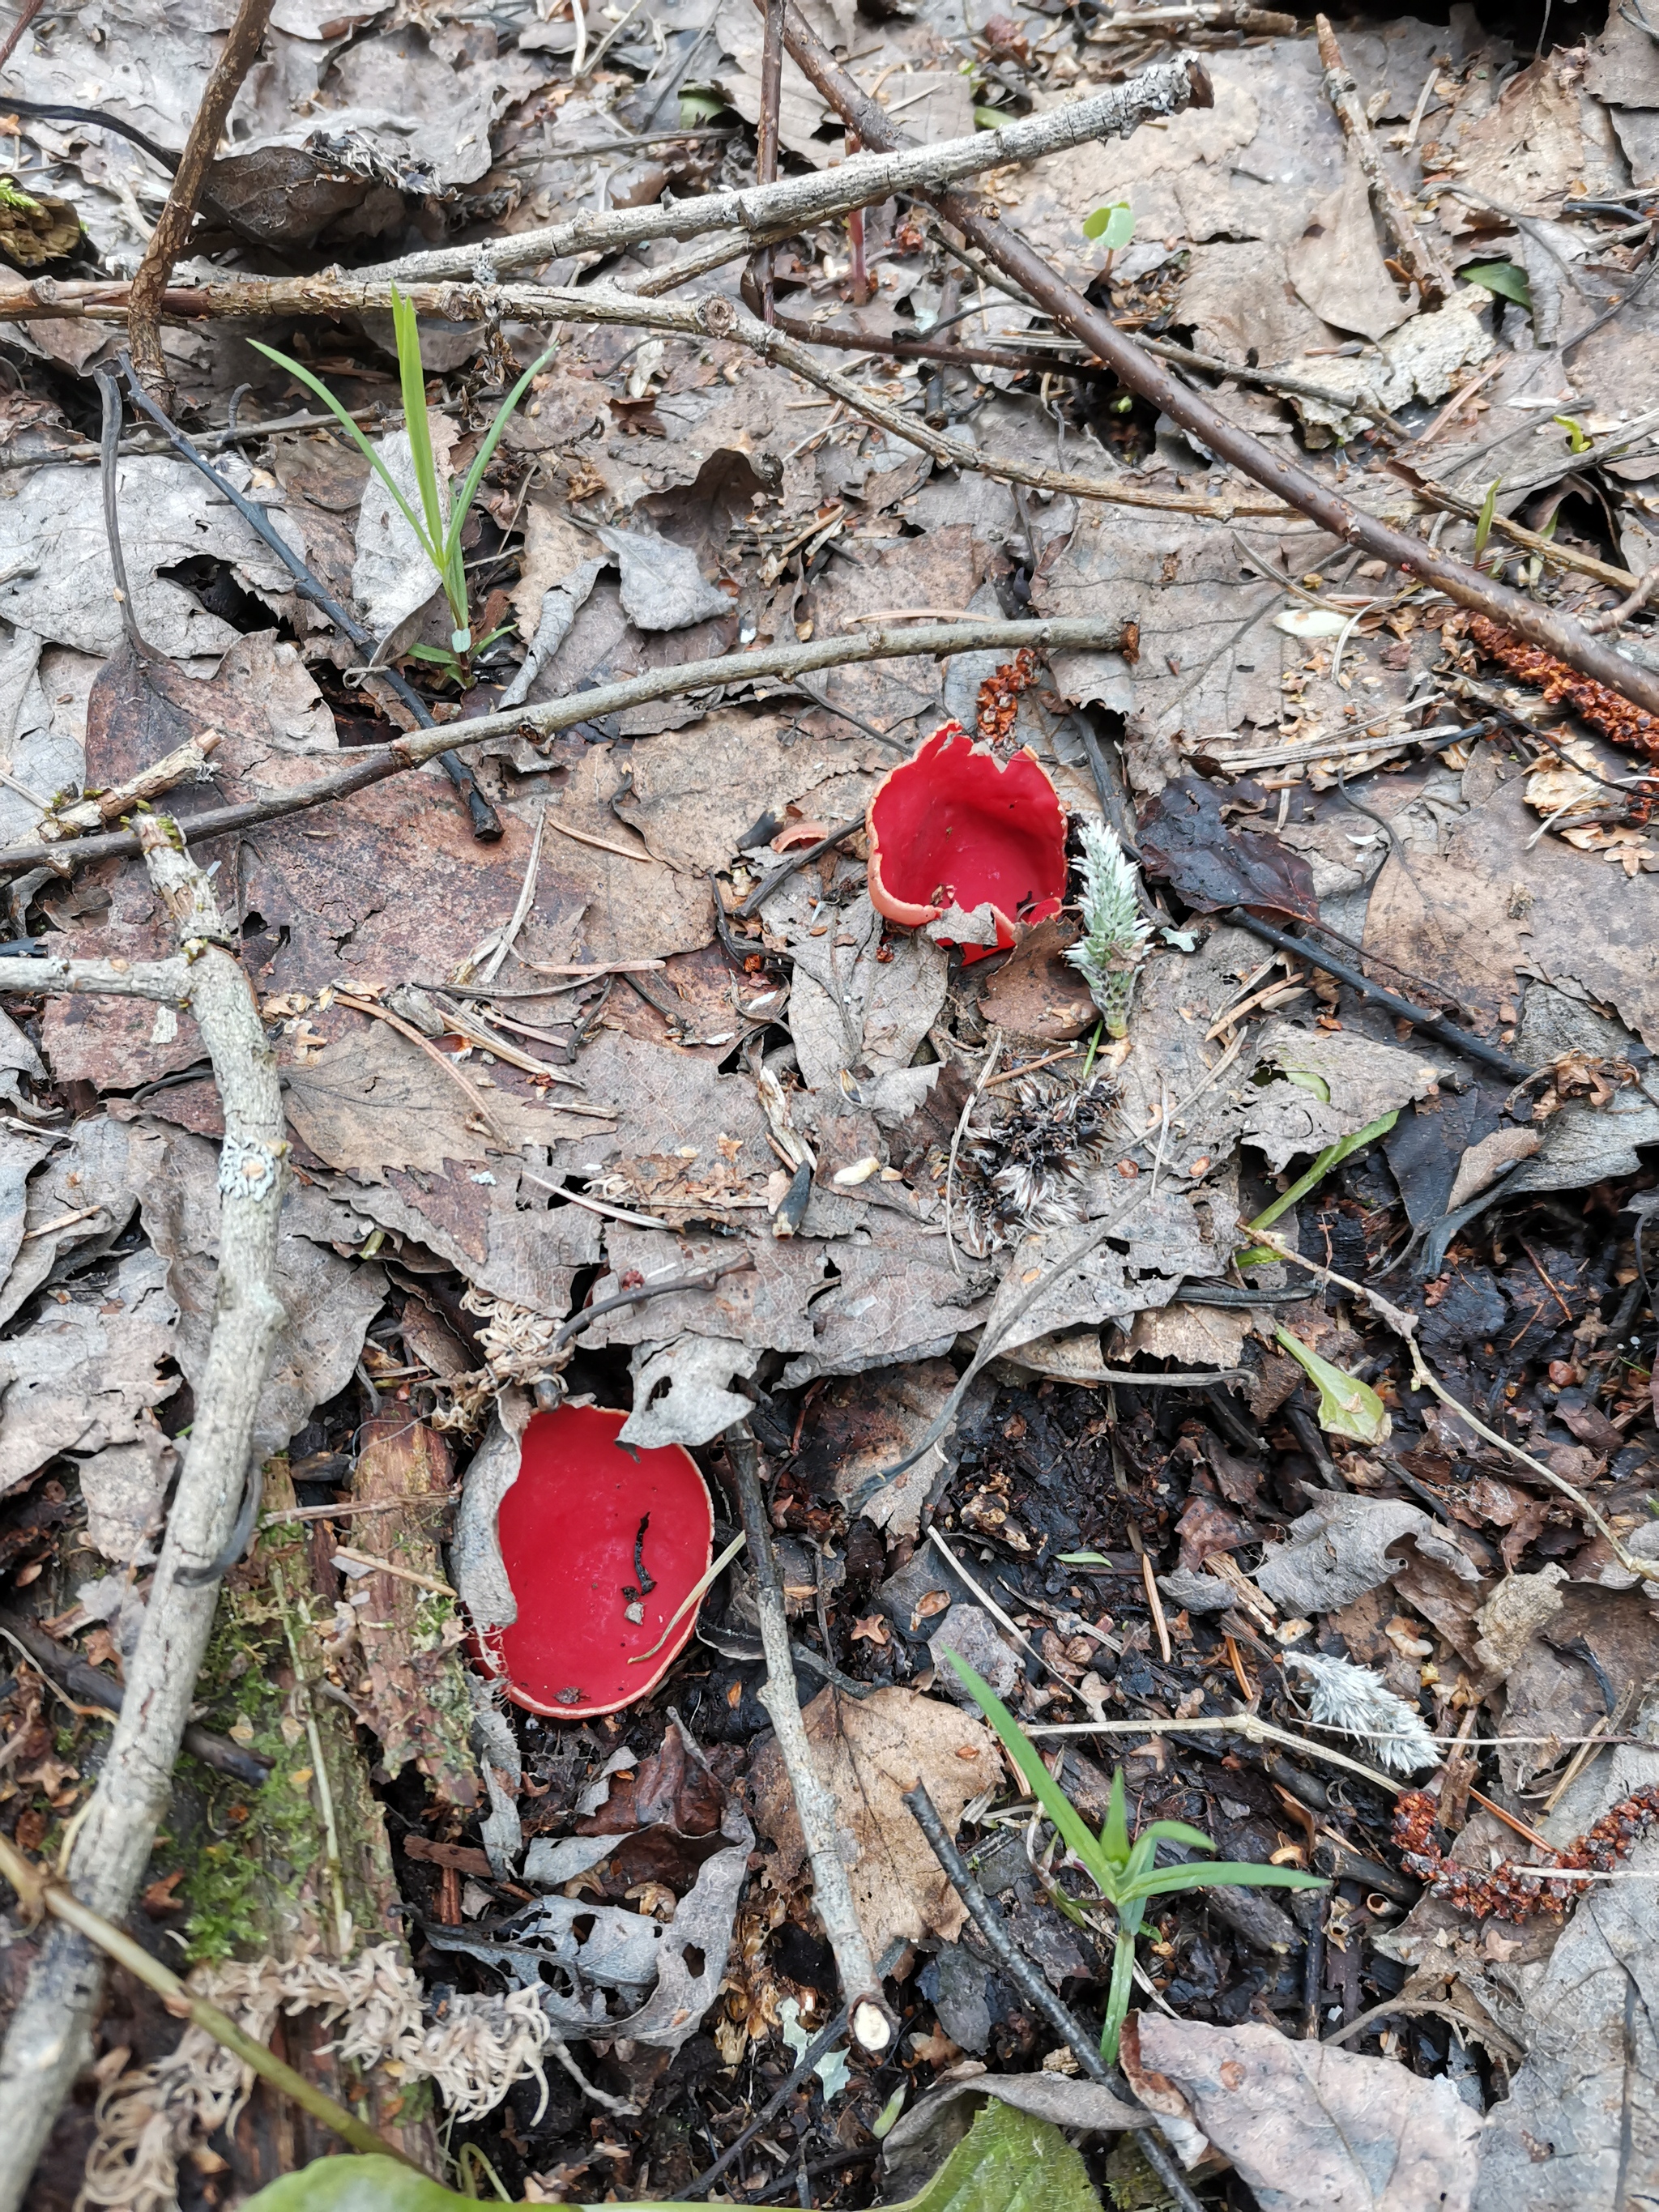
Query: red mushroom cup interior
x,y
949,827
569,1530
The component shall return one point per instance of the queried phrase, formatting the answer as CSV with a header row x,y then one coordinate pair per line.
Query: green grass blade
x,y
1333,1156
1117,1999
1052,1799
1177,1831
1233,1872
1114,1834
486,453
412,380
315,386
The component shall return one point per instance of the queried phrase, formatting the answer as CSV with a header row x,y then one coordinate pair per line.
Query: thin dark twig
x,y
486,822
30,9
89,1687
1084,2047
109,392
808,2059
770,882
1422,1017
700,1281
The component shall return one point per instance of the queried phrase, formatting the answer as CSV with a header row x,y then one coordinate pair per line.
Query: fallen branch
x,y
38,1894
786,207
873,2024
46,2043
1002,246
1425,266
713,317
359,768
87,1686
172,232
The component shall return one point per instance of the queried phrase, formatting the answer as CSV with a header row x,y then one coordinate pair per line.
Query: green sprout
x,y
1113,226
440,542
1114,931
1123,1873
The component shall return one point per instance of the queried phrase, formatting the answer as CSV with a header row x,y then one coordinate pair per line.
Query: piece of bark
x,y
412,1689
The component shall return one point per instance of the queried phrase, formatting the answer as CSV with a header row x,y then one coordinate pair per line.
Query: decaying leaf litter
x,y
1142,1201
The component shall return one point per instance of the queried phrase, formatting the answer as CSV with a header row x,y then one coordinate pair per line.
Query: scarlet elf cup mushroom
x,y
602,1543
952,826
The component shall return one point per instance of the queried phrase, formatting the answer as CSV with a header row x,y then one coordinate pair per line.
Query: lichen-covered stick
x,y
47,2041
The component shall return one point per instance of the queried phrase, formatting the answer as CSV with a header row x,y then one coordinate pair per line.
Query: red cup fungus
x,y
952,827
602,1543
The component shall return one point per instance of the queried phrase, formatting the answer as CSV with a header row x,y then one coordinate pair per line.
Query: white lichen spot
x,y
247,1168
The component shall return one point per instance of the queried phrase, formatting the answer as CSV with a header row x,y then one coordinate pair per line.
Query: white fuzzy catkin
x,y
1353,1698
1114,931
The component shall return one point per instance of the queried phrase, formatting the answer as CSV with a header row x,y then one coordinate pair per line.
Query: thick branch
x,y
47,2040
172,232
373,765
1557,633
815,1804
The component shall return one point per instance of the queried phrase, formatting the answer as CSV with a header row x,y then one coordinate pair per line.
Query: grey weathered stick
x,y
1420,260
791,205
46,2043
873,2024
373,764
172,232
798,201
1084,2047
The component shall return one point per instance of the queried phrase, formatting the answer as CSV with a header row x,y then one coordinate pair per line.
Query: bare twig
x,y
89,1687
1421,262
172,232
40,1894
872,2023
371,764
1001,245
1616,618
1422,1017
1084,2047
26,15
46,2042
109,394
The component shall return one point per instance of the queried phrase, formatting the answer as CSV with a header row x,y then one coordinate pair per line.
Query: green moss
x,y
253,1832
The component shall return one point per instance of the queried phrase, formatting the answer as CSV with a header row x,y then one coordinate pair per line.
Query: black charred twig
x,y
486,822
1013,1962
1422,1017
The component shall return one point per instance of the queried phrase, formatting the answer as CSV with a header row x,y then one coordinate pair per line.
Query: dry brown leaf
x,y
1306,2125
871,1750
